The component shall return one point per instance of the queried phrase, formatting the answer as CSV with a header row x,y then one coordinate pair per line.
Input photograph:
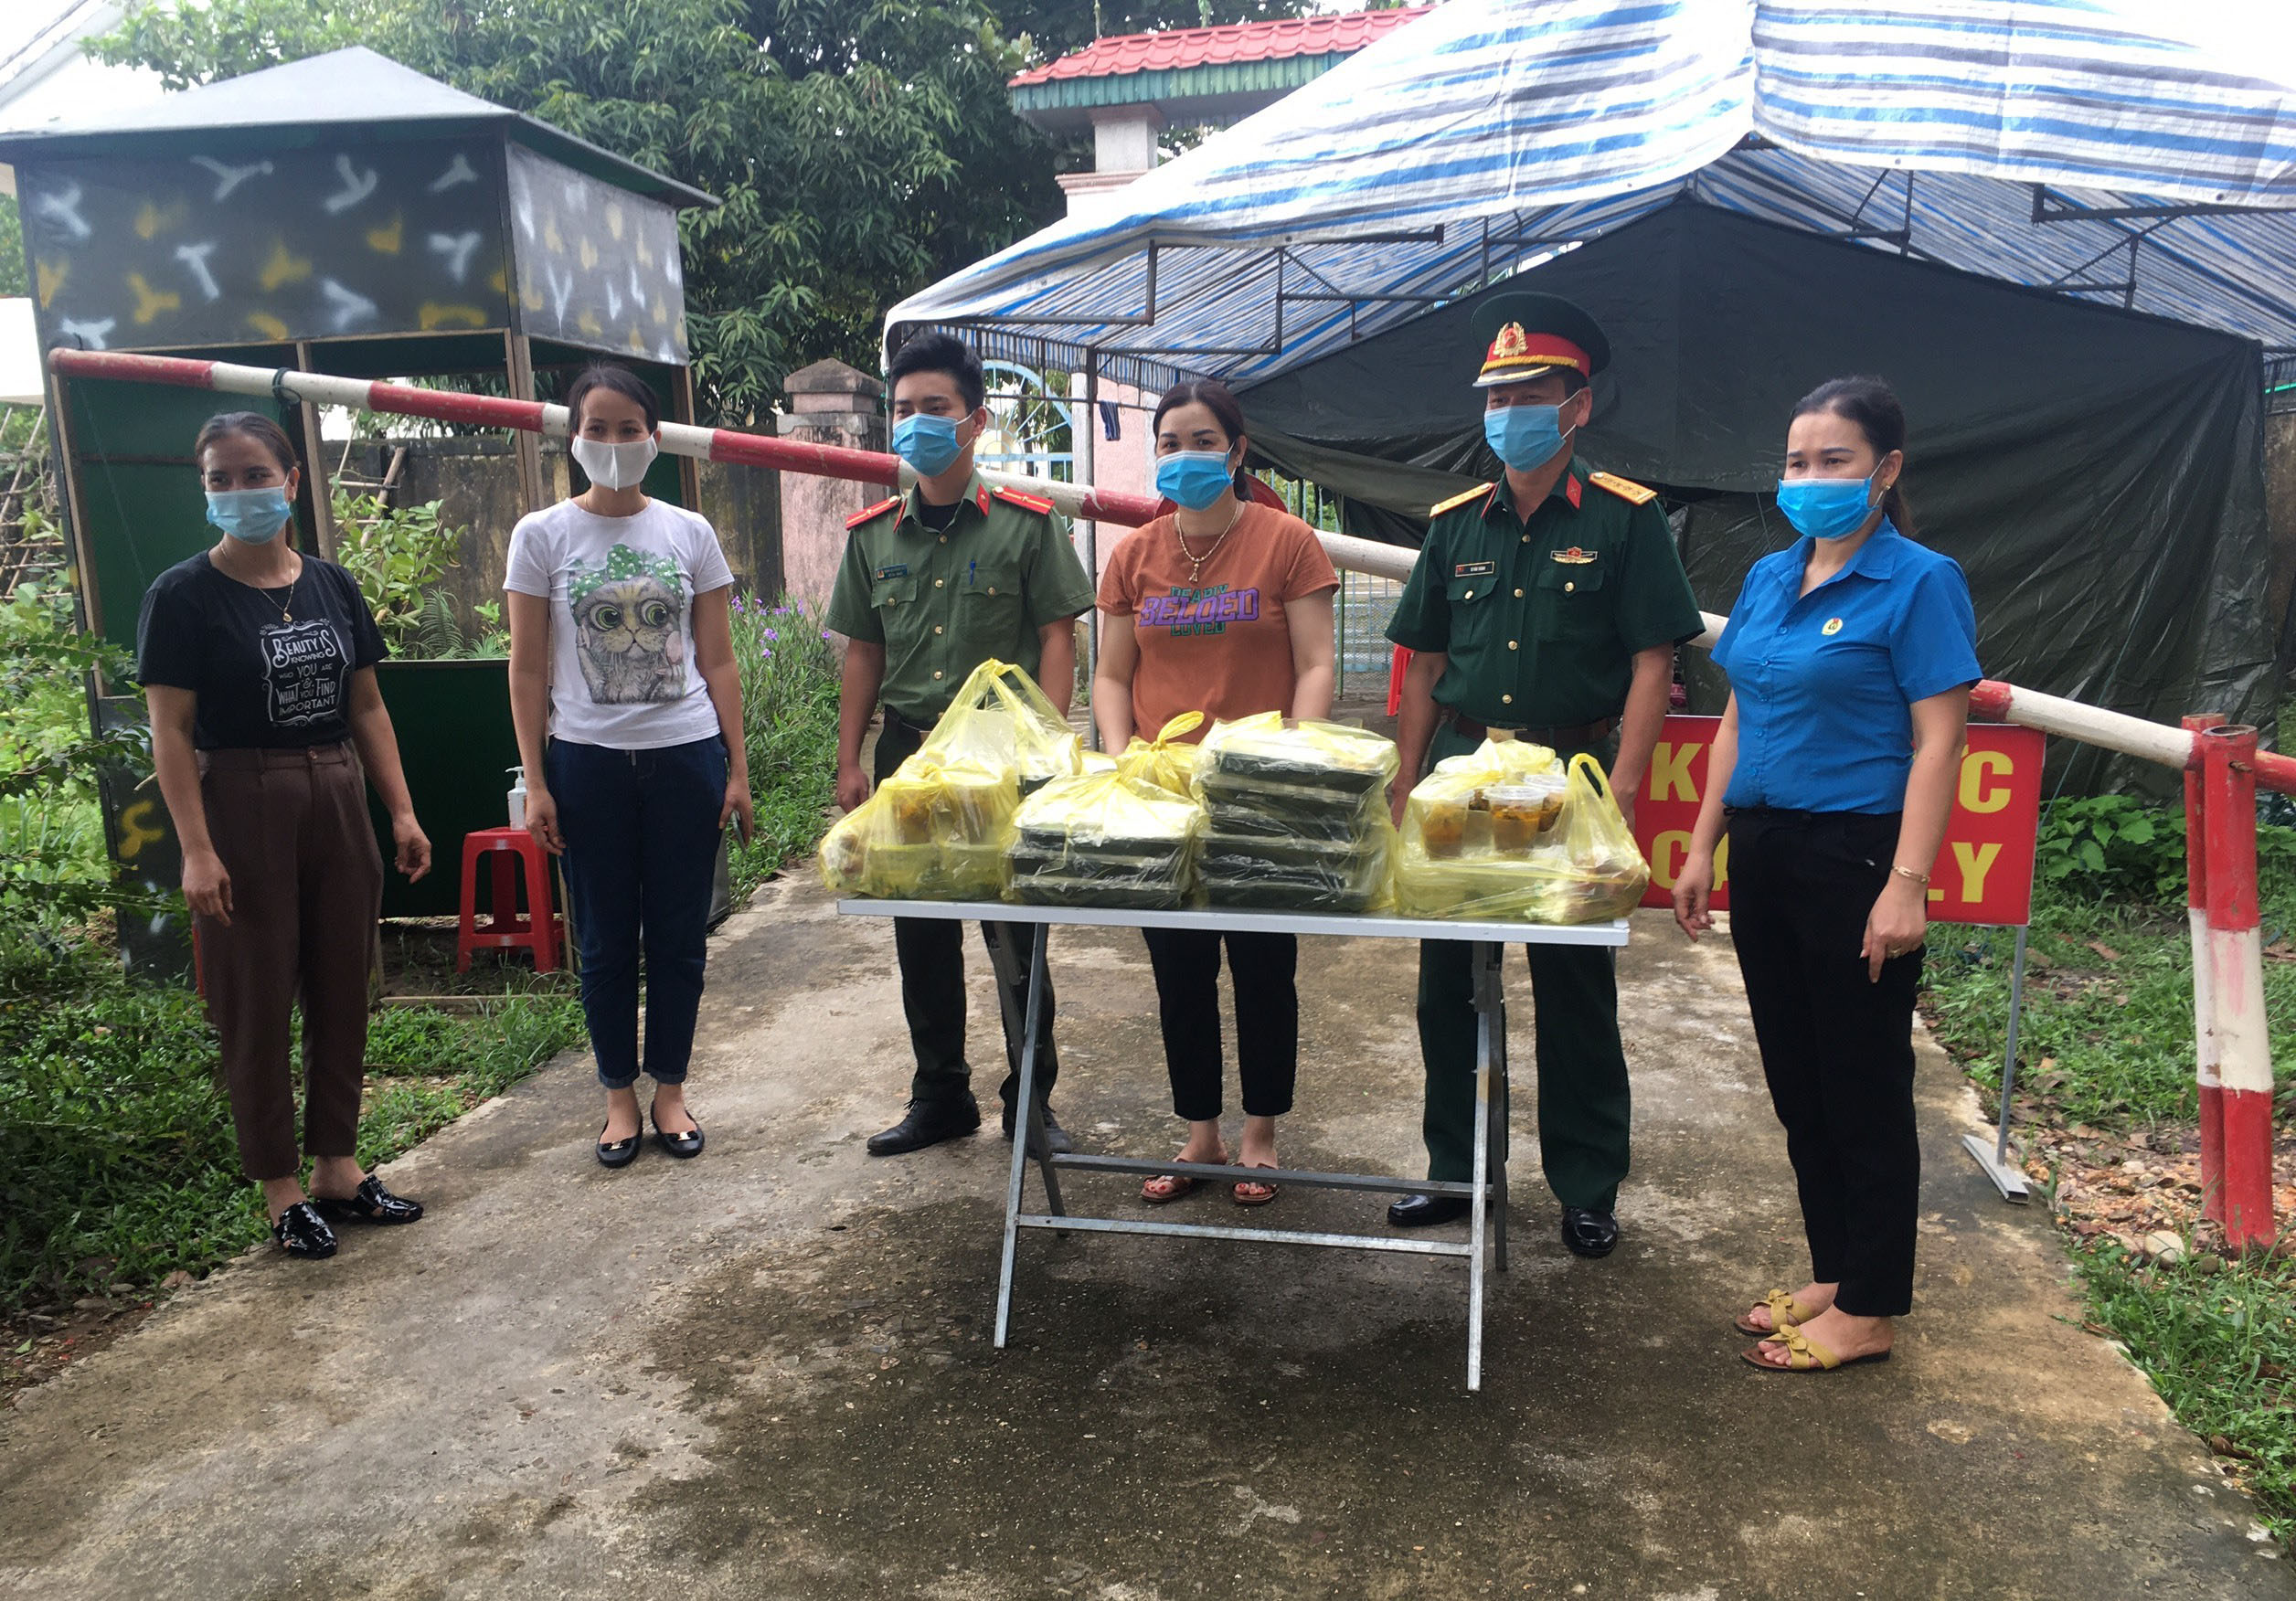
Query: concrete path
x,y
766,1373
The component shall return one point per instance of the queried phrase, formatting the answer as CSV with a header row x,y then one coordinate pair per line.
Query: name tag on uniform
x,y
1474,569
899,569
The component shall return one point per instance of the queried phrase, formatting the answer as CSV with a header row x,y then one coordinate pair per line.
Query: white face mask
x,y
615,466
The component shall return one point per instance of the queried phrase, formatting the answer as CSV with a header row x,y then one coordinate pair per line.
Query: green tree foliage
x,y
12,279
1058,27
862,147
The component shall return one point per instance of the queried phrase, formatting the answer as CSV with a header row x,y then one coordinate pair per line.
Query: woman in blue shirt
x,y
1849,658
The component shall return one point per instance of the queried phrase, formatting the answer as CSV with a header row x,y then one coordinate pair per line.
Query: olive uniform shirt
x,y
941,602
1541,623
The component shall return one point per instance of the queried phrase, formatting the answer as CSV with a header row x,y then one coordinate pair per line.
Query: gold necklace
x,y
1195,563
285,614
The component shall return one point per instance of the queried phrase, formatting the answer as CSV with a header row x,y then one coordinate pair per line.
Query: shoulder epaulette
x,y
1626,489
1025,502
869,513
1458,500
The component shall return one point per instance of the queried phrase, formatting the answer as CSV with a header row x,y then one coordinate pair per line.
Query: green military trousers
x,y
1585,1107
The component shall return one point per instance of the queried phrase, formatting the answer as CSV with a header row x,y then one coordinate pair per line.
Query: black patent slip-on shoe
x,y
1055,1135
370,1203
927,1123
301,1232
1589,1233
688,1144
1426,1210
618,1153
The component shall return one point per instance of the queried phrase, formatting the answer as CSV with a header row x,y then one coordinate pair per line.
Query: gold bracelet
x,y
1919,878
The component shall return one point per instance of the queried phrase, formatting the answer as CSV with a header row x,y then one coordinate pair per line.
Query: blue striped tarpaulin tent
x,y
2128,152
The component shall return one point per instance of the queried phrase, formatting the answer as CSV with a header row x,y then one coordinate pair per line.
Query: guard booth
x,y
341,215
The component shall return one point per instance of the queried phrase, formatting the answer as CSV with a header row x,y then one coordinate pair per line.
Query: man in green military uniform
x,y
933,583
1548,603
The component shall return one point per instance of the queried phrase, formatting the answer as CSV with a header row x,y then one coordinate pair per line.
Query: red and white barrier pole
x,y
704,444
2235,957
2209,1084
678,439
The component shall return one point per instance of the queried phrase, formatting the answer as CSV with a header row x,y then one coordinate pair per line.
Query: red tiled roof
x,y
1241,41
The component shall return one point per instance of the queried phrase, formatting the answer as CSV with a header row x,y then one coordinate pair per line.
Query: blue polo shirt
x,y
1825,681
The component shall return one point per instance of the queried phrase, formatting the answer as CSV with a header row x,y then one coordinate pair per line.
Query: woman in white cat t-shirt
x,y
622,651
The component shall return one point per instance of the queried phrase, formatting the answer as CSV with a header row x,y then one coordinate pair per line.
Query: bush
x,y
789,713
399,555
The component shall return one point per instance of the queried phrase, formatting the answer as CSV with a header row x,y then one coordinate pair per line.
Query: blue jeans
x,y
640,831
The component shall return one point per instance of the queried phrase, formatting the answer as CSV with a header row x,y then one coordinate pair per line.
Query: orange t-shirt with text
x,y
1220,645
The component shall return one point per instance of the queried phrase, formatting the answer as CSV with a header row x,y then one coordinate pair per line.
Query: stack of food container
x,y
1296,815
1104,839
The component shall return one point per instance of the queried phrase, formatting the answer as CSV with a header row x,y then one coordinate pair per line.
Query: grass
x,y
788,701
2218,1341
2107,1045
117,1162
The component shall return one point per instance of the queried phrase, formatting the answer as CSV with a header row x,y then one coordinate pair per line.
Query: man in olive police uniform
x,y
1548,603
932,584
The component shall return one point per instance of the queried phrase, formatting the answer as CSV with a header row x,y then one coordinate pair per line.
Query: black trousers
x,y
1837,1047
930,952
1262,966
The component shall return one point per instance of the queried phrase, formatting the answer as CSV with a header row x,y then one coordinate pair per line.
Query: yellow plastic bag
x,y
1000,719
931,832
1486,836
1105,840
941,826
1167,763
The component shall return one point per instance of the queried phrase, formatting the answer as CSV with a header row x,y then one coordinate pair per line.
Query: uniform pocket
x,y
1471,608
1571,601
989,593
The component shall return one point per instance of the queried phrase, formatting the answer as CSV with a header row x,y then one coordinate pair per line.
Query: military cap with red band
x,y
1527,334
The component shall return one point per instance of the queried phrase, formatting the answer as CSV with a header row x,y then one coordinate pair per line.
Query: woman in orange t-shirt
x,y
1222,606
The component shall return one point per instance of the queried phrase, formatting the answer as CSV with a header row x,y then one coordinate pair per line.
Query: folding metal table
x,y
1486,1191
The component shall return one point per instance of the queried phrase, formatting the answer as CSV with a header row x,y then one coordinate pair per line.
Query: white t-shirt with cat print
x,y
622,594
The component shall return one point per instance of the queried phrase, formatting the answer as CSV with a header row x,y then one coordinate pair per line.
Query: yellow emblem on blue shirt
x,y
1832,626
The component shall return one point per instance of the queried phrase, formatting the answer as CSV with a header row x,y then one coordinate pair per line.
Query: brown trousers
x,y
306,887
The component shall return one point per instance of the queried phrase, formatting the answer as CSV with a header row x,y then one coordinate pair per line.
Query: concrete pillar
x,y
829,404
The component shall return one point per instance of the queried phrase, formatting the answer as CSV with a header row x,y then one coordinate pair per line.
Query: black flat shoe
x,y
1589,1233
370,1203
927,1123
301,1232
1426,1210
618,1153
688,1144
1055,1135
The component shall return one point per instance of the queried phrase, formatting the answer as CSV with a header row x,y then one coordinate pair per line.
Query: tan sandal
x,y
1784,1313
1803,1355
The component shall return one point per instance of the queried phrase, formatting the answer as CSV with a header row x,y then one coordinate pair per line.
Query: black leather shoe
x,y
301,1232
370,1203
1426,1210
1589,1233
688,1144
927,1123
1055,1135
618,1153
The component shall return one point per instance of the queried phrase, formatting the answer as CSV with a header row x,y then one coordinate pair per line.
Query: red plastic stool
x,y
504,930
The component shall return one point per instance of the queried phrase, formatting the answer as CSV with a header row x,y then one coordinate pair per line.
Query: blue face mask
x,y
1193,478
1524,436
254,516
927,443
1826,508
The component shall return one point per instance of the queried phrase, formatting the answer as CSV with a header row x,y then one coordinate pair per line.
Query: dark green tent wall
x,y
2099,476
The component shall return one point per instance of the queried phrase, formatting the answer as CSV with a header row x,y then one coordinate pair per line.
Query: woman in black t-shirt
x,y
259,665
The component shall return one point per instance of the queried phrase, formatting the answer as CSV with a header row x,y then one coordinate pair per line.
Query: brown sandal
x,y
1165,1188
1249,1193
